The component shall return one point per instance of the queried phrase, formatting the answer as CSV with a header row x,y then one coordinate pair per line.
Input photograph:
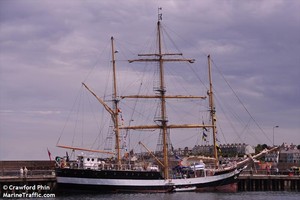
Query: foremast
x,y
212,110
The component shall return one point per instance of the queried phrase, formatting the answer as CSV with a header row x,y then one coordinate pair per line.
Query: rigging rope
x,y
240,101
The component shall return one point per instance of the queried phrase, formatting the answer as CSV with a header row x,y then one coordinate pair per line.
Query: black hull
x,y
109,174
148,177
214,186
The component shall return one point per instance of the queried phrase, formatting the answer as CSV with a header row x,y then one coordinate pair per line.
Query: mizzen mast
x,y
116,104
114,112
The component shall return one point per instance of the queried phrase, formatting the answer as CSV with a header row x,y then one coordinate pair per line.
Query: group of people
x,y
23,172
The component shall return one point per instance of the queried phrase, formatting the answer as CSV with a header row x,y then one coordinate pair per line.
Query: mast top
x,y
159,13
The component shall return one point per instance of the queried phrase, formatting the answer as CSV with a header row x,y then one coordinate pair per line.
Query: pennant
x,y
204,128
121,116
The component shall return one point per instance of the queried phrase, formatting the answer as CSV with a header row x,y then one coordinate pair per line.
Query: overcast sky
x,y
48,48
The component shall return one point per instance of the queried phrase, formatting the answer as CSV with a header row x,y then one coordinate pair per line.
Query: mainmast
x,y
212,112
163,126
162,92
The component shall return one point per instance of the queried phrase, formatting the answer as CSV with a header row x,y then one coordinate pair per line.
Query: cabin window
x,y
201,173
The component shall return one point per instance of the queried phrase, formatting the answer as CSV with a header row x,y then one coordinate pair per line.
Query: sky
x,y
47,48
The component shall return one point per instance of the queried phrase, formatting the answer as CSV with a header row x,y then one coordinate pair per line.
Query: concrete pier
x,y
269,183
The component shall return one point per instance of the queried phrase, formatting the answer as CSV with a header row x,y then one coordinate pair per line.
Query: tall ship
x,y
161,172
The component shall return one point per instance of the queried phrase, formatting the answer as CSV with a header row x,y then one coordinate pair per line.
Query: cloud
x,y
48,48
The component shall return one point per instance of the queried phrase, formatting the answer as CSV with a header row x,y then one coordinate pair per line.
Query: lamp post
x,y
273,133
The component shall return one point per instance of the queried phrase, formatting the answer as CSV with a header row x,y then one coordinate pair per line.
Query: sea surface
x,y
187,196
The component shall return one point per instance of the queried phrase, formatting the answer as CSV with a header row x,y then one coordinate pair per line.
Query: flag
x,y
204,136
177,157
49,154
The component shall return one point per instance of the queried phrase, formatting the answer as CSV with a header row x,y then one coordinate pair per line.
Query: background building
x,y
226,150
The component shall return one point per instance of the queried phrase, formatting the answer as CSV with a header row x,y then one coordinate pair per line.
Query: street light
x,y
273,133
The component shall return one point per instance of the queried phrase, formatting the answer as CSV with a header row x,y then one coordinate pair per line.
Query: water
x,y
188,196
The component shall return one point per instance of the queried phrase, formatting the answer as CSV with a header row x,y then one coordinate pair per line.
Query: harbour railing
x,y
30,173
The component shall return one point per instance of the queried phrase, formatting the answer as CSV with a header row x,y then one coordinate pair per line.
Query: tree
x,y
259,148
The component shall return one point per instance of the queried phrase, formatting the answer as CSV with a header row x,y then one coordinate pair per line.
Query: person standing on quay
x,y
25,172
21,172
